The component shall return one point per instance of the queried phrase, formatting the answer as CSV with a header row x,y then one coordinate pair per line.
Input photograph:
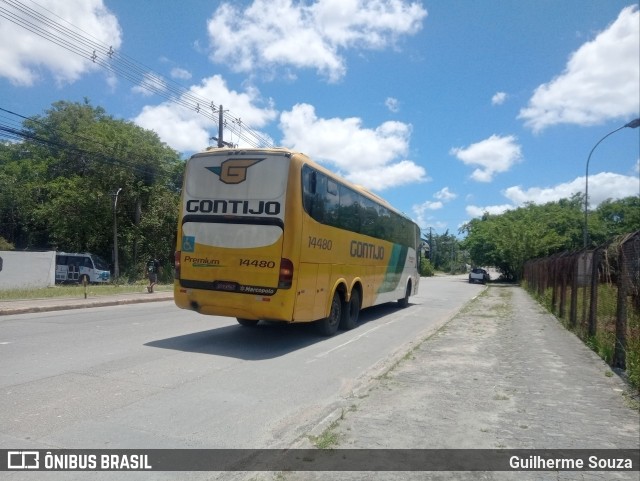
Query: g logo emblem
x,y
233,171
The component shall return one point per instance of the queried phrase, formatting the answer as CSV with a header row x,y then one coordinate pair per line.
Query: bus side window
x,y
369,217
86,262
350,209
309,190
312,182
328,193
332,187
383,219
317,199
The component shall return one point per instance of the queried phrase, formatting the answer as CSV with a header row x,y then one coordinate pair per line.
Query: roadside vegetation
x,y
58,185
508,240
77,291
603,341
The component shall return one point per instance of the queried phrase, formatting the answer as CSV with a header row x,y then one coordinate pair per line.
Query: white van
x,y
77,268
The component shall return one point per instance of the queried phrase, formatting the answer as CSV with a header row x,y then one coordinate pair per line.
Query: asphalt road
x,y
153,376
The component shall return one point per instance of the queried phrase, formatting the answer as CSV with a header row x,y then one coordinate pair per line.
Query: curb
x,y
82,305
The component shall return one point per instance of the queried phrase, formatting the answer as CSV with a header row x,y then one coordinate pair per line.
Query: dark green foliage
x,y
426,269
506,241
617,217
445,254
57,187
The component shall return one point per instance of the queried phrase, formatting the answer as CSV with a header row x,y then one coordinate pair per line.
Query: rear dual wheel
x,y
350,315
404,302
329,325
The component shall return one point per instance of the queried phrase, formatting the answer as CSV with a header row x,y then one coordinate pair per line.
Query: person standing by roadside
x,y
153,266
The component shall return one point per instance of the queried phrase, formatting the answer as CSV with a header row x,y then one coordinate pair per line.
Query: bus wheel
x,y
329,325
349,318
404,302
247,322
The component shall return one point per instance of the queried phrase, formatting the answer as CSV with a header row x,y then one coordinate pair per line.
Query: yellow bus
x,y
268,234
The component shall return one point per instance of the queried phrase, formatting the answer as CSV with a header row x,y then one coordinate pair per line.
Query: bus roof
x,y
306,159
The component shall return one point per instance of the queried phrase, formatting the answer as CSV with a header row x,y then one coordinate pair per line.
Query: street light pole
x,y
633,124
116,267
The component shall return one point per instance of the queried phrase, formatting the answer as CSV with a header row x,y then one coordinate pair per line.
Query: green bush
x,y
5,245
426,269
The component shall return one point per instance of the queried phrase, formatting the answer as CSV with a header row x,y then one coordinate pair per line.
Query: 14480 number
x,y
320,243
257,263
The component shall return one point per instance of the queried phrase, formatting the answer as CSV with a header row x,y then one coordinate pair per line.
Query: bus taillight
x,y
177,264
286,274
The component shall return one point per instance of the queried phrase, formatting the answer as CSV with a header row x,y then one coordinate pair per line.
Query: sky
x,y
446,108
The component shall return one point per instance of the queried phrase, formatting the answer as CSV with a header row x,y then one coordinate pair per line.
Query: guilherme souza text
x,y
591,463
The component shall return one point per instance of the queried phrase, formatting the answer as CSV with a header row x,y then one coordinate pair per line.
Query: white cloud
x,y
499,98
370,157
445,194
493,155
600,81
181,129
187,131
180,73
422,211
277,33
602,186
151,84
430,205
387,176
392,104
24,55
476,211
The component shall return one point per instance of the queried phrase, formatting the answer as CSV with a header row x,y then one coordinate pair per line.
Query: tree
x,y
57,186
445,253
617,217
507,240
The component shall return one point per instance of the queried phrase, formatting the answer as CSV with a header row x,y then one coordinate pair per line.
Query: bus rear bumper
x,y
244,306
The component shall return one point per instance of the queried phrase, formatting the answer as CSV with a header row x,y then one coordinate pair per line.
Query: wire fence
x,y
596,293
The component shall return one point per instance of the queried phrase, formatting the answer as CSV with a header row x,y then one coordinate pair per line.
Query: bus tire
x,y
404,302
351,312
329,325
247,322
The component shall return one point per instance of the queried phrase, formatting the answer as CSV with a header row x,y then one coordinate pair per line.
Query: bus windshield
x,y
99,263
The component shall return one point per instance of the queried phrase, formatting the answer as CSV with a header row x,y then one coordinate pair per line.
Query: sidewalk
x,y
502,374
61,303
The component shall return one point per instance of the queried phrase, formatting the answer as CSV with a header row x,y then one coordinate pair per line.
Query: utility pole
x,y
219,138
220,132
430,244
116,267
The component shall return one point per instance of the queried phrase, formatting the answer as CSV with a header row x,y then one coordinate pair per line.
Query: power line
x,y
78,42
